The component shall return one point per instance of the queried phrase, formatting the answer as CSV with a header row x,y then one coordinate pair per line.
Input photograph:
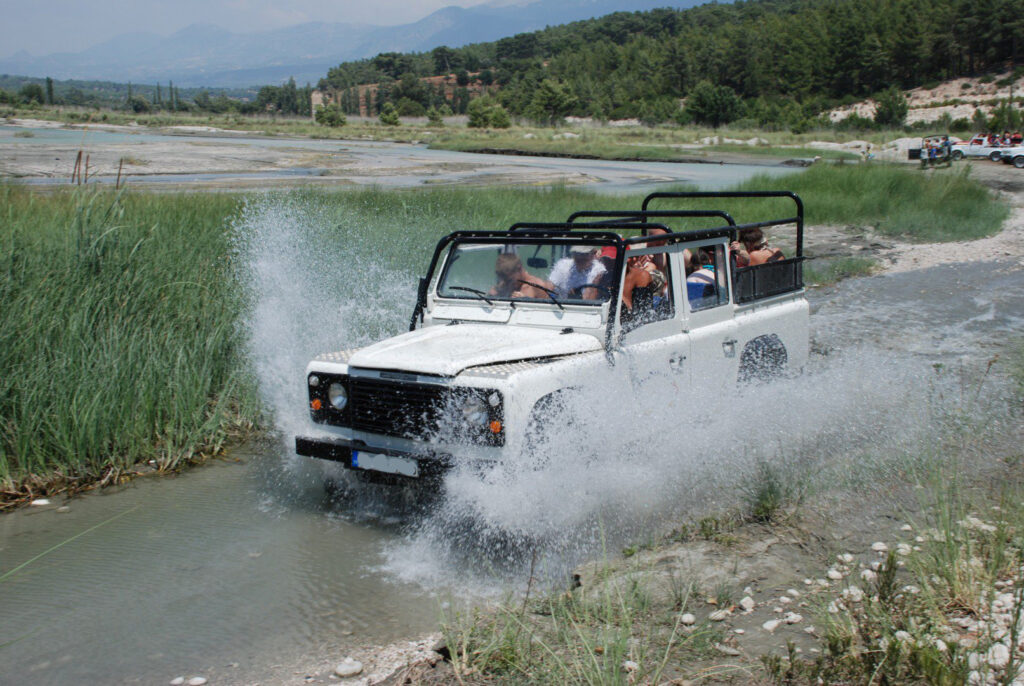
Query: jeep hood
x,y
448,350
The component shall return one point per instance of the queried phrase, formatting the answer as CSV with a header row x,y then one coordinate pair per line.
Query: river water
x,y
243,570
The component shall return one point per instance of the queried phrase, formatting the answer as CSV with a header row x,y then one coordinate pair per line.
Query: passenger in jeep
x,y
751,249
515,282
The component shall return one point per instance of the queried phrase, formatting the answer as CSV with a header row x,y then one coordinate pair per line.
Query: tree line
x,y
774,62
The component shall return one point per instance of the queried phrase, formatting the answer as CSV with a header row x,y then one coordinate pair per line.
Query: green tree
x,y
462,77
434,117
330,115
486,113
713,105
389,115
891,108
32,93
138,104
551,102
49,91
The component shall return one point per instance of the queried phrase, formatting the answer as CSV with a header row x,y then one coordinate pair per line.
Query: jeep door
x,y
709,319
654,347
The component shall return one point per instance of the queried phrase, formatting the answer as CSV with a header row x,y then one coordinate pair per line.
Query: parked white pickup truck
x,y
1014,156
978,146
507,321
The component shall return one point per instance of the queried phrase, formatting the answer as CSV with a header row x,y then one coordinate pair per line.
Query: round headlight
x,y
338,396
474,411
314,380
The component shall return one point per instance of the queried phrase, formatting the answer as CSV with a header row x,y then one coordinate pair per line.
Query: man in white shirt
x,y
579,269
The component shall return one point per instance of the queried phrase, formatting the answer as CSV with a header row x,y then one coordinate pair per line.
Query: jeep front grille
x,y
395,408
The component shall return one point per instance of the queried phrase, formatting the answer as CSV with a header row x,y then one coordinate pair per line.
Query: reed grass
x,y
119,338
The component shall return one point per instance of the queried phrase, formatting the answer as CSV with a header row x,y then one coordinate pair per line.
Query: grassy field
x,y
122,339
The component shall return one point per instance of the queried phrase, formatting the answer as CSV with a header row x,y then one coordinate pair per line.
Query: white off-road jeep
x,y
506,321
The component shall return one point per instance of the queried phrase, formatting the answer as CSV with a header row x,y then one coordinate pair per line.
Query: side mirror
x,y
537,263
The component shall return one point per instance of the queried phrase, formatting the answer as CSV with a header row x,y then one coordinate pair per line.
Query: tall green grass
x,y
118,341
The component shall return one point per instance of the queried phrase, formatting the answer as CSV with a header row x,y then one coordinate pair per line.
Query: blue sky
x,y
46,26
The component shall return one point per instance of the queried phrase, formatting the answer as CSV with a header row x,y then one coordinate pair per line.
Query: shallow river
x,y
244,571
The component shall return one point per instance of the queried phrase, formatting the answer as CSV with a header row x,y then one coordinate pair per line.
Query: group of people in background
x,y
936,151
1007,138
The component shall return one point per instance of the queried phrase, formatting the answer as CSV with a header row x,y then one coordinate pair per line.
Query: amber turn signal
x,y
315,403
495,427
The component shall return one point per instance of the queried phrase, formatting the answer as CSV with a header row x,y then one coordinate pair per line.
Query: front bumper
x,y
345,452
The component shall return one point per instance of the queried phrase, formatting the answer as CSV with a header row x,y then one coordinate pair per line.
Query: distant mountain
x,y
207,55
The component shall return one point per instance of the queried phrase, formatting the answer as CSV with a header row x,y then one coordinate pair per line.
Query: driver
x,y
515,282
579,269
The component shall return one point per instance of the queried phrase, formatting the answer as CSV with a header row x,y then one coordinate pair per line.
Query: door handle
x,y
729,347
675,363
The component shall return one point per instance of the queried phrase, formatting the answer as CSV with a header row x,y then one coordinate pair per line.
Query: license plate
x,y
387,464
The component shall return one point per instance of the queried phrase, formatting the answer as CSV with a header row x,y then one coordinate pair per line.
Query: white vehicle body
x,y
977,146
475,370
1014,156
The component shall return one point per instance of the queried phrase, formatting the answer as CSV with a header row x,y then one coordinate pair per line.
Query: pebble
x,y
809,629
834,574
902,549
718,615
785,600
998,656
845,557
177,681
688,619
771,625
793,618
63,508
868,575
808,582
793,593
726,650
630,666
197,681
348,667
853,594
739,631
940,645
879,547
40,501
906,527
747,603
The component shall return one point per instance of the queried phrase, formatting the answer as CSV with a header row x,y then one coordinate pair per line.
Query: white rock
x,y
688,619
974,661
911,589
853,594
845,557
998,656
718,615
868,575
348,667
940,645
793,618
903,637
902,549
879,547
40,501
197,681
630,666
747,603
821,582
808,582
777,610
771,625
739,631
793,593
748,591
63,508
726,650
975,678
809,629
177,681
834,574
919,539
785,600
833,608
906,527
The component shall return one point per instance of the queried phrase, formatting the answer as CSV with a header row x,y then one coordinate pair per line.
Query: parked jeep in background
x,y
483,362
1014,156
977,146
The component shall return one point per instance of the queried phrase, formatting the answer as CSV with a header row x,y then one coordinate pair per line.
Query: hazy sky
x,y
47,26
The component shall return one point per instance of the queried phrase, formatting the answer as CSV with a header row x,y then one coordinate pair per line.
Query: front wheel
x,y
958,154
995,155
1018,161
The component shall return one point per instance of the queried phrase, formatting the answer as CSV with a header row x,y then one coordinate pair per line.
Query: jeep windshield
x,y
562,273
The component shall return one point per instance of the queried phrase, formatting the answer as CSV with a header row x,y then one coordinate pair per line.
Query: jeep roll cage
x,y
749,283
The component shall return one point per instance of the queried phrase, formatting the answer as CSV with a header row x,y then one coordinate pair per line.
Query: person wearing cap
x,y
579,269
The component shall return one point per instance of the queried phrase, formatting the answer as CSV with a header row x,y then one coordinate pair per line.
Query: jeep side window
x,y
646,290
706,284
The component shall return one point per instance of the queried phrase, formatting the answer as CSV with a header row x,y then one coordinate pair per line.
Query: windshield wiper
x,y
551,293
478,293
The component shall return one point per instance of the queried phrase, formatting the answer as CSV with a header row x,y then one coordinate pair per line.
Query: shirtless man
x,y
515,282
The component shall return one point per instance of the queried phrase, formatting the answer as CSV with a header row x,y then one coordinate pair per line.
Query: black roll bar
x,y
798,219
642,216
